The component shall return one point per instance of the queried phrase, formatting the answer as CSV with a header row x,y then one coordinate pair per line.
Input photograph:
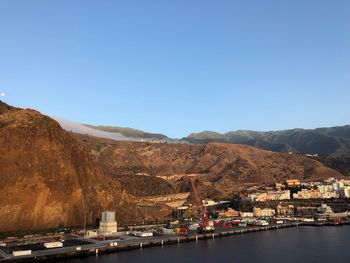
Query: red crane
x,y
205,220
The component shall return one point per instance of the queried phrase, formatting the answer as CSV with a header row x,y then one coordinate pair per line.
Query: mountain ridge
x,y
334,141
326,140
128,132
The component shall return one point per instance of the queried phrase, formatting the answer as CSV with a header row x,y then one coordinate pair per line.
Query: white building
x,y
247,214
338,185
265,212
325,209
108,225
330,195
325,188
91,234
209,202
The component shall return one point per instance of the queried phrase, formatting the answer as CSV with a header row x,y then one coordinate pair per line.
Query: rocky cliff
x,y
48,178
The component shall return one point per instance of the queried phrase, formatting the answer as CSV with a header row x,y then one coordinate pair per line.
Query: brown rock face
x,y
47,177
4,107
221,169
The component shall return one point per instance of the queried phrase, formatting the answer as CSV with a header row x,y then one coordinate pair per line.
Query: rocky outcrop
x,y
48,178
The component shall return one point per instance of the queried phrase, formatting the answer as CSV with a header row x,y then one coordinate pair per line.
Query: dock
x,y
105,247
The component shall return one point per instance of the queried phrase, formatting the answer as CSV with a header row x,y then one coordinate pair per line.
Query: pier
x,y
104,247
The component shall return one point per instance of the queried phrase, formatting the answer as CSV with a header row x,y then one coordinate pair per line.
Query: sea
x,y
296,244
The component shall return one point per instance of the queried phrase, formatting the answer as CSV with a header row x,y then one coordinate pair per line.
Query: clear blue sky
x,y
177,67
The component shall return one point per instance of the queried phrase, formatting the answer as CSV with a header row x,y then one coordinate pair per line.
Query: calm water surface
x,y
298,244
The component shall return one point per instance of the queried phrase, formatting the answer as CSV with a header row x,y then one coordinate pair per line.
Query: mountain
x,y
333,141
129,132
6,108
51,177
325,141
220,169
110,132
338,163
48,178
83,129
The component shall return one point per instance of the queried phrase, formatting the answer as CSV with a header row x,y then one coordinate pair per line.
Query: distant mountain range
x,y
129,132
333,141
114,132
329,141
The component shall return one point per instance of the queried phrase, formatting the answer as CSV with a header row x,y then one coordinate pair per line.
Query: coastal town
x,y
329,188
174,131
258,208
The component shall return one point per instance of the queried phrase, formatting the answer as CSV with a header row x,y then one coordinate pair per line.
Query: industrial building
x,y
108,225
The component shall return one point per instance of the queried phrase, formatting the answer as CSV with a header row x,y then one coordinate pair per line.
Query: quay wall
x,y
144,244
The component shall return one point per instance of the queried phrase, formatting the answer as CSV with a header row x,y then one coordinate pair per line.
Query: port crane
x,y
205,220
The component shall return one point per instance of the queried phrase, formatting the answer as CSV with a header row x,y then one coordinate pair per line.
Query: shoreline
x,y
157,241
103,247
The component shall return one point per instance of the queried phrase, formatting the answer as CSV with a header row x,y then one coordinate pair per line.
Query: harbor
x,y
210,224
288,245
87,247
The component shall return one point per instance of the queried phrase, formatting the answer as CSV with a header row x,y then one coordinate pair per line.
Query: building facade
x,y
265,212
108,225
